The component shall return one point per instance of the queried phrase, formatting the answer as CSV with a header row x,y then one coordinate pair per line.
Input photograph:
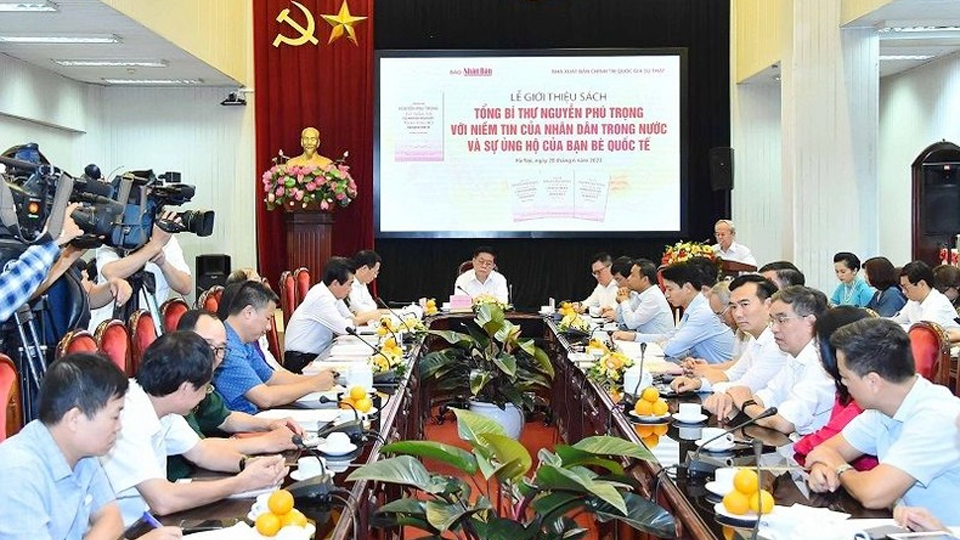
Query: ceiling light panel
x,y
41,7
112,63
59,40
155,82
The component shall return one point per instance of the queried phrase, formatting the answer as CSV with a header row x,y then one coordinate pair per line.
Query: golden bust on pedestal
x,y
309,141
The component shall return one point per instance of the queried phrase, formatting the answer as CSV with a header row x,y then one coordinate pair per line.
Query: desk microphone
x,y
384,305
298,442
757,452
376,350
695,465
464,291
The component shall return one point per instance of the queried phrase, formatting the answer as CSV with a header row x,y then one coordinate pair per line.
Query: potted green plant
x,y
510,503
490,366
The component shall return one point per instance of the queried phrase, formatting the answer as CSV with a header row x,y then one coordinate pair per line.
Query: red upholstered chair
x,y
113,341
273,338
209,299
931,351
76,341
288,294
9,397
302,277
464,266
171,311
142,334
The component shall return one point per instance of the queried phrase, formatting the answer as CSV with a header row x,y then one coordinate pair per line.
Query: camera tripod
x,y
29,353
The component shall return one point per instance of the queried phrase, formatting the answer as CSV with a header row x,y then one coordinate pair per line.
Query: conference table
x,y
579,408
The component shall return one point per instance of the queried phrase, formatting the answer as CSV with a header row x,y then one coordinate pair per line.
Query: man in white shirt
x,y
161,257
366,268
803,392
908,422
604,295
750,300
482,278
924,302
641,306
727,248
171,380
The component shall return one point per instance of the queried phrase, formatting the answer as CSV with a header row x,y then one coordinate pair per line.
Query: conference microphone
x,y
298,442
353,428
757,452
376,350
464,291
383,304
695,464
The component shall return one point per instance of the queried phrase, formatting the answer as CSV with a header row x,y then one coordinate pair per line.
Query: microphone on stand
x,y
464,291
376,350
298,442
757,452
695,465
395,314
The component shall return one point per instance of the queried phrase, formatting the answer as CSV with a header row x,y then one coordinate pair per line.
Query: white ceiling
x,y
84,17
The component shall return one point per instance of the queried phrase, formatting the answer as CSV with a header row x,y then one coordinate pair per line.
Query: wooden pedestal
x,y
308,240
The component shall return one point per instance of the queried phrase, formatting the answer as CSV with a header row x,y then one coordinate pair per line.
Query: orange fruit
x,y
268,524
643,430
764,498
295,518
280,502
736,503
660,429
363,404
746,482
651,442
660,407
357,393
650,394
643,408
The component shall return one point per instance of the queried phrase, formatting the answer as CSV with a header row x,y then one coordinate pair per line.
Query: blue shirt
x,y
921,440
21,277
242,369
857,294
40,497
700,334
888,302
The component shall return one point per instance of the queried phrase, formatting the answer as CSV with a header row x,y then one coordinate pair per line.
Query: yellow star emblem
x,y
341,22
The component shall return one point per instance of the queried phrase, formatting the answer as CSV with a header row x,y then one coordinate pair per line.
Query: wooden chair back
x,y
142,334
288,294
171,311
10,398
302,277
931,351
76,341
209,300
113,341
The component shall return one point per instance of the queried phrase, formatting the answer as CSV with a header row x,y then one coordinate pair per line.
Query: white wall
x,y
178,129
917,108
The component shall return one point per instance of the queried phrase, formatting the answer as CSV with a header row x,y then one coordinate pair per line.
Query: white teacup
x,y
688,433
724,477
689,411
595,311
309,467
723,441
547,310
338,441
360,374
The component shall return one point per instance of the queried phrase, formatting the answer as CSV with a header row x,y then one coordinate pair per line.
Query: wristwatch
x,y
843,468
745,404
243,462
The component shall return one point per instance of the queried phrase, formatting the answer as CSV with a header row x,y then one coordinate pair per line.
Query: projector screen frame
x,y
680,52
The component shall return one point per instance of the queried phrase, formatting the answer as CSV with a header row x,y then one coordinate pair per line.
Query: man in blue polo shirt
x,y
53,485
244,379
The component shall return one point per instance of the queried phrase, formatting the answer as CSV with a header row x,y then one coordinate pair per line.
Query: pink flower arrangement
x,y
304,186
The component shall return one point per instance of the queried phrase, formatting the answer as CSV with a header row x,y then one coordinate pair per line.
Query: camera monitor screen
x,y
530,143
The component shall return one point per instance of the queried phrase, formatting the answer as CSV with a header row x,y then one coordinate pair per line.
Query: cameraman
x,y
21,277
160,256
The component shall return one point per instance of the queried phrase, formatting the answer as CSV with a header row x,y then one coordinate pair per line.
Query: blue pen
x,y
150,520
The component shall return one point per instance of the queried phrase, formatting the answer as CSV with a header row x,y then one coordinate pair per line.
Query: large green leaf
x,y
444,516
551,504
404,470
470,425
435,362
507,364
507,333
479,378
404,506
642,515
489,317
574,456
451,337
508,450
558,478
502,529
451,455
613,446
546,366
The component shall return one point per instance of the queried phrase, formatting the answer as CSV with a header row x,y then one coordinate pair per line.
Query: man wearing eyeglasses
x,y
212,418
483,278
604,295
802,391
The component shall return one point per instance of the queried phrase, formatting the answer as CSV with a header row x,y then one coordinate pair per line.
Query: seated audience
x,y
782,274
719,300
366,268
882,276
244,379
908,422
604,295
709,273
845,408
212,418
946,279
321,316
53,485
924,303
172,379
801,391
727,248
263,346
852,290
750,300
700,333
641,306
483,278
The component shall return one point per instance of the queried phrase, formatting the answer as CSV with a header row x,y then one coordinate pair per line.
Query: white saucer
x,y
715,488
298,476
694,420
311,440
350,447
652,419
749,518
716,446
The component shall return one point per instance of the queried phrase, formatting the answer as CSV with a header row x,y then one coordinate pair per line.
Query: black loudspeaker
x,y
212,269
721,168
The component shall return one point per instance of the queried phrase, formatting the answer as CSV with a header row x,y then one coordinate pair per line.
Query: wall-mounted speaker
x,y
721,168
212,269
